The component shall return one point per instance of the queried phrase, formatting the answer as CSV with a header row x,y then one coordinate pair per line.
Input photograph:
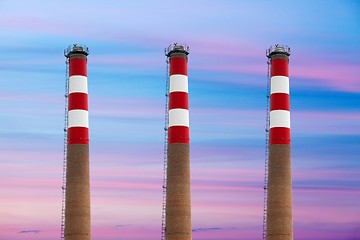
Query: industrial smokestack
x,y
279,225
77,206
178,201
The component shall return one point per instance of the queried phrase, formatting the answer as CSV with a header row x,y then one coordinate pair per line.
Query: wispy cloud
x,y
227,84
207,229
334,75
122,225
30,231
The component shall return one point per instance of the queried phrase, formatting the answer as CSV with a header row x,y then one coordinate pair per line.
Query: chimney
x,y
77,203
178,200
279,225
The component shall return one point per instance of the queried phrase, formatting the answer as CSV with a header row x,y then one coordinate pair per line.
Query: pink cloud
x,y
125,231
140,107
335,75
148,62
326,122
31,231
317,205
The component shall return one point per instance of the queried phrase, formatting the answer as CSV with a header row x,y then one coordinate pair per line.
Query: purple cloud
x,y
30,231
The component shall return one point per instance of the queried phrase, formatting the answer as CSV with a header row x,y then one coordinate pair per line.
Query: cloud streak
x,y
227,93
206,229
29,231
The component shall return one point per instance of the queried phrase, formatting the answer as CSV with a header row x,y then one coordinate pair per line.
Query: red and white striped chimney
x,y
78,118
178,99
178,199
279,225
77,206
279,98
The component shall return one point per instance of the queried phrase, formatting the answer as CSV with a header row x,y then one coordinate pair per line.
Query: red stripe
x,y
178,66
279,135
279,101
280,67
78,101
78,135
178,100
78,67
178,134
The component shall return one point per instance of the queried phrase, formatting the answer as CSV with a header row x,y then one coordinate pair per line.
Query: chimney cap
x,y
76,48
278,49
177,48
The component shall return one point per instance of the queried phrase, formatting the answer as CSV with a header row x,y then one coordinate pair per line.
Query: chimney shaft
x,y
279,225
178,200
77,206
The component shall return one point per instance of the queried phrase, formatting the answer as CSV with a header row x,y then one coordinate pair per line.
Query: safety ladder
x,y
266,148
65,151
163,225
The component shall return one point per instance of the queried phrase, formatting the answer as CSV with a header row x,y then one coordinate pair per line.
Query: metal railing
x,y
277,48
177,48
76,48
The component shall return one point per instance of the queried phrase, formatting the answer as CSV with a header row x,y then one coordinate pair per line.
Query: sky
x,y
227,96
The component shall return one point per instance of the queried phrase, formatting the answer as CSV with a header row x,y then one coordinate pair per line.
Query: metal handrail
x,y
76,48
177,48
277,48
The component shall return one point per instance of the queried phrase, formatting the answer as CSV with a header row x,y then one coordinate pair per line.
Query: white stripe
x,y
78,83
279,84
280,118
78,118
178,83
179,117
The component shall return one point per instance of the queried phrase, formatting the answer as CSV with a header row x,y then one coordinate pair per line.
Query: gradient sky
x,y
227,91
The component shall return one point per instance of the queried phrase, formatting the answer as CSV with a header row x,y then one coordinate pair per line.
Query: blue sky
x,y
227,93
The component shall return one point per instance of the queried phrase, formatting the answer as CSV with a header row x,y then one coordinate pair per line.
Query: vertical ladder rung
x,y
266,149
163,224
65,151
